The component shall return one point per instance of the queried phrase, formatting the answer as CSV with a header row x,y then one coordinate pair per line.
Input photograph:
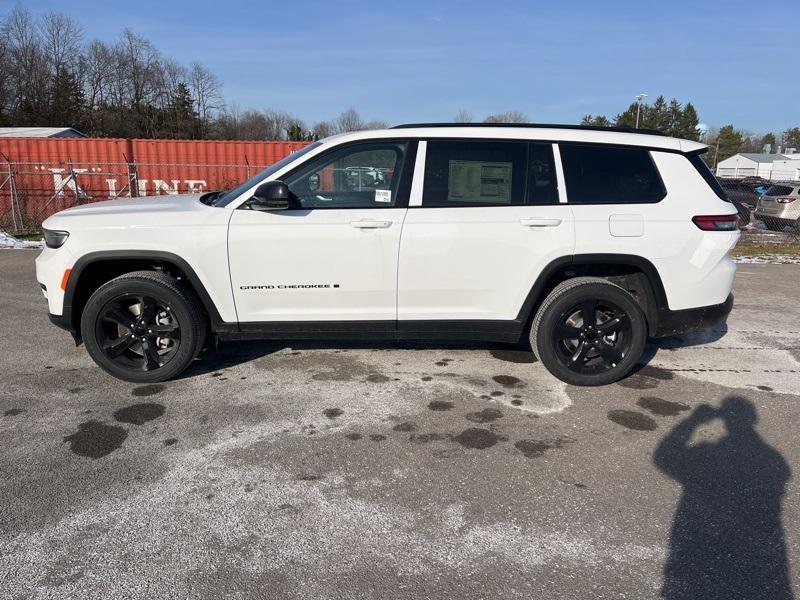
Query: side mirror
x,y
272,195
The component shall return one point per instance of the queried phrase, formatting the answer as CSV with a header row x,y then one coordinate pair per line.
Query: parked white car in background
x,y
583,241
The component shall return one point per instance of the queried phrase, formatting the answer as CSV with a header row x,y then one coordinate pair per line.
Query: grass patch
x,y
766,249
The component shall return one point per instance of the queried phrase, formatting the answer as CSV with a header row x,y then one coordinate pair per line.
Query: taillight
x,y
715,222
786,200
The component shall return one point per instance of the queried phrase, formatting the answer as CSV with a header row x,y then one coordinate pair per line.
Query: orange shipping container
x,y
54,173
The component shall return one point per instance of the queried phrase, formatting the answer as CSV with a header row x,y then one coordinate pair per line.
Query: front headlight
x,y
55,239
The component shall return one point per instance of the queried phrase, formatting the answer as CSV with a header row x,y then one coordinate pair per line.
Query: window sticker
x,y
384,196
477,181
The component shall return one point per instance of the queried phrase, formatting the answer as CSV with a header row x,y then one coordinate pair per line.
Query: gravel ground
x,y
386,472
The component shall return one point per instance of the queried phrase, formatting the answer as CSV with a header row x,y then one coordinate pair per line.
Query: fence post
x,y
74,176
11,180
133,176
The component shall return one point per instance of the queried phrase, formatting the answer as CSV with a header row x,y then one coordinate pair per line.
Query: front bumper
x,y
65,322
673,322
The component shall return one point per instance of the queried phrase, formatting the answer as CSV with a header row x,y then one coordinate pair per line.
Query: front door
x,y
332,256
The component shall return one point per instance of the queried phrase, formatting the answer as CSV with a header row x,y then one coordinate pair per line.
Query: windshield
x,y
227,197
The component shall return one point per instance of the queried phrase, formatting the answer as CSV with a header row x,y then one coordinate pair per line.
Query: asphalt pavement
x,y
369,471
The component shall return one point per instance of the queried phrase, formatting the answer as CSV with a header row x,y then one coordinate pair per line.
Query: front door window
x,y
359,176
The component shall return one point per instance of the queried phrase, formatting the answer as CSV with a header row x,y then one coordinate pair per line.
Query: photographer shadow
x,y
727,540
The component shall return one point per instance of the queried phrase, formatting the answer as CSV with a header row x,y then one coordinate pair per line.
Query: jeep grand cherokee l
x,y
582,241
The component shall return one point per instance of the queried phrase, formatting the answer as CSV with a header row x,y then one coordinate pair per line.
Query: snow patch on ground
x,y
9,241
772,259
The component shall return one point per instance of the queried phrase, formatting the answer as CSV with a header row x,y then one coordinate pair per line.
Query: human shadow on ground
x,y
727,540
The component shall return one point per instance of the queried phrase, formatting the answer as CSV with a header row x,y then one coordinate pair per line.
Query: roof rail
x,y
534,126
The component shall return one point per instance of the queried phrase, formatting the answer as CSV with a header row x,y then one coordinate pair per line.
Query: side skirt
x,y
455,331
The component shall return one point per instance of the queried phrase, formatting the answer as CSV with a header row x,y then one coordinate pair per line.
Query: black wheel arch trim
x,y
66,320
534,297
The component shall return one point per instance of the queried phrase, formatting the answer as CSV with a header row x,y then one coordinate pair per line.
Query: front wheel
x,y
589,331
143,327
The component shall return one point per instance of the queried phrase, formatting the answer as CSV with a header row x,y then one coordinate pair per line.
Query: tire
x,y
590,358
154,303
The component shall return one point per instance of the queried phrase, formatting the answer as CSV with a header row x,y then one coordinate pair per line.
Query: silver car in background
x,y
780,206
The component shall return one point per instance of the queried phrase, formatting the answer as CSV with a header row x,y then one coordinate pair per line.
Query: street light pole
x,y
639,99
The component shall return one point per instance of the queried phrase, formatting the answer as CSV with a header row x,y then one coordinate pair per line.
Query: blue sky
x,y
417,60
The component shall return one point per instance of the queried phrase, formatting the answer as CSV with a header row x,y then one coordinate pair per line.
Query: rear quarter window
x,y
610,175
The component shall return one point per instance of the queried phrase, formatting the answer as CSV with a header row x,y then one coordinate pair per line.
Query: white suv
x,y
582,240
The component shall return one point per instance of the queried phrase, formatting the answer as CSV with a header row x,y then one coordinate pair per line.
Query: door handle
x,y
537,222
369,224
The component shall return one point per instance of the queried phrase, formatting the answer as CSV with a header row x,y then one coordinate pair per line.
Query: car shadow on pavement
x,y
727,540
693,338
229,354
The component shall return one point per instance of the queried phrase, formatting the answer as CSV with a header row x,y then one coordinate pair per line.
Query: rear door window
x,y
474,173
610,175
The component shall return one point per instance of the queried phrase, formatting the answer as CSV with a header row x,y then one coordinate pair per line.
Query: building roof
x,y
40,132
761,157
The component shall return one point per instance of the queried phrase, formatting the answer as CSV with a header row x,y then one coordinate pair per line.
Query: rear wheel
x,y
143,327
589,331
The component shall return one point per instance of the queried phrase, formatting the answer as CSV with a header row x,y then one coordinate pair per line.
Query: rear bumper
x,y
673,322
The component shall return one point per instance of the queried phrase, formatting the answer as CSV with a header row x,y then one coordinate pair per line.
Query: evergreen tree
x,y
791,139
181,118
296,132
769,139
688,124
596,121
729,142
671,118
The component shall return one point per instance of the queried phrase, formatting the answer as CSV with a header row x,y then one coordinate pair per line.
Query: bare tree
x,y
26,66
206,90
226,124
463,116
513,116
349,120
323,129
62,39
376,125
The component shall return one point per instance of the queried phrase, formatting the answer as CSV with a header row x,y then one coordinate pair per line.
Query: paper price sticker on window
x,y
384,196
477,181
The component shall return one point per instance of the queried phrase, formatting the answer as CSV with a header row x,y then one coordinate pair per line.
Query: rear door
x,y
485,218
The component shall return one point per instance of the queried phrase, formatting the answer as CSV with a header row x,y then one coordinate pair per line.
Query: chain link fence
x,y
32,191
769,209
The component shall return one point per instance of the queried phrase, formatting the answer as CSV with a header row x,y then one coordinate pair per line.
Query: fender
x,y
66,321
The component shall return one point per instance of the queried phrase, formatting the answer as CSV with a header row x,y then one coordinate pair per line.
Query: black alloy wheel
x,y
592,336
589,331
144,326
138,332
